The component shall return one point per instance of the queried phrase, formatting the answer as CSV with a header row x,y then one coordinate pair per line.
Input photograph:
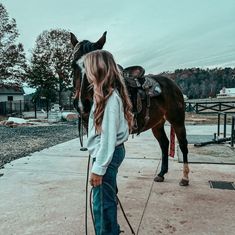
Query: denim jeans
x,y
104,197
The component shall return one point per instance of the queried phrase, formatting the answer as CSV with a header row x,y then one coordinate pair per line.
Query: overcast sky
x,y
160,35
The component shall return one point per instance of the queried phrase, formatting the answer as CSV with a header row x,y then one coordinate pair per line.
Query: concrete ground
x,y
45,193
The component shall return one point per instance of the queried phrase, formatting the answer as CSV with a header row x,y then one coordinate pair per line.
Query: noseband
x,y
76,99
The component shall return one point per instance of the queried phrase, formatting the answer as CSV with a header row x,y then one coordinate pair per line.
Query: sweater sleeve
x,y
110,124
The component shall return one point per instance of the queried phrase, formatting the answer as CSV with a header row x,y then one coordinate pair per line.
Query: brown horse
x,y
169,105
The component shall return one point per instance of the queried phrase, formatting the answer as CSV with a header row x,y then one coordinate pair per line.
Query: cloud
x,y
159,35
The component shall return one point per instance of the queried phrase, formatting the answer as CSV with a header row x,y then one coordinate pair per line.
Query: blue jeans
x,y
104,197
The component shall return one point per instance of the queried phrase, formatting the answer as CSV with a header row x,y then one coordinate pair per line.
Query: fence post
x,y
70,103
35,109
10,107
20,109
232,132
225,123
218,125
196,107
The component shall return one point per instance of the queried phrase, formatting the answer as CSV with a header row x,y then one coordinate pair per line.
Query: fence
x,y
225,127
217,137
210,107
18,108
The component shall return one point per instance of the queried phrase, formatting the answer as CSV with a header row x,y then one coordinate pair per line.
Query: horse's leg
x,y
160,135
183,143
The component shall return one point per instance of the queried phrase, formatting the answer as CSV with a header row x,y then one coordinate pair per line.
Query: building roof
x,y
11,89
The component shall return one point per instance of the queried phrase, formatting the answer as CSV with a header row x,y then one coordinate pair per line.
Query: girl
x,y
110,122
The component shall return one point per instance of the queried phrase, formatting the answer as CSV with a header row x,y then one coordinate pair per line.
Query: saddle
x,y
141,88
139,85
134,76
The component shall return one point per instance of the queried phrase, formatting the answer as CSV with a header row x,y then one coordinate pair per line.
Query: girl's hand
x,y
95,180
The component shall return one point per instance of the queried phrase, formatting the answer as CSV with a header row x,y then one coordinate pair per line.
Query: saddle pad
x,y
152,87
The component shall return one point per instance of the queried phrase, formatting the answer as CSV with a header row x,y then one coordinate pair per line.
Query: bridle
x,y
80,49
77,103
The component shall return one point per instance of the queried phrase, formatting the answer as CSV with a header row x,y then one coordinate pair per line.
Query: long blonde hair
x,y
103,73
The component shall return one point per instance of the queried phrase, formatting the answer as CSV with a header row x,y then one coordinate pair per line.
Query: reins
x,y
80,131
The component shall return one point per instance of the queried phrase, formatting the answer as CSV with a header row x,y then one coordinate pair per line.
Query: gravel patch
x,y
21,141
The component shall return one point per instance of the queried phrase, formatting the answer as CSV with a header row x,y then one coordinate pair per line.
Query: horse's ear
x,y
100,43
73,39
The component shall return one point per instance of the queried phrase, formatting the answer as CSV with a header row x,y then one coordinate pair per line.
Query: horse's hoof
x,y
184,182
159,179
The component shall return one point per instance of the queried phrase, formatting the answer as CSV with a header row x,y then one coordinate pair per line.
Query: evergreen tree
x,y
199,83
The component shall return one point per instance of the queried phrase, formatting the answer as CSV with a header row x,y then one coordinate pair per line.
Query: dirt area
x,y
23,140
218,150
193,118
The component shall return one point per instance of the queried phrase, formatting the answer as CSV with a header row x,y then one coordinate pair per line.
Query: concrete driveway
x,y
45,193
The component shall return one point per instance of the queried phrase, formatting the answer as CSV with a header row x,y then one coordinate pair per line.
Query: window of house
x,y
10,98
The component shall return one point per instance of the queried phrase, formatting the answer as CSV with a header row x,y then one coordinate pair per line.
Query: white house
x,y
11,98
226,93
11,92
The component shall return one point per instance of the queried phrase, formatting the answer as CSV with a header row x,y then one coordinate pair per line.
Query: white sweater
x,y
114,132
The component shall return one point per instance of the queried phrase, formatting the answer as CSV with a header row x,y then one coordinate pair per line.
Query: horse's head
x,y
80,82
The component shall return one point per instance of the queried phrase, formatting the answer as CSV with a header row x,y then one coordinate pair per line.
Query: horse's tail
x,y
172,142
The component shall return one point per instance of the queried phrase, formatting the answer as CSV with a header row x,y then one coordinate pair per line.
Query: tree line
x,y
48,68
203,83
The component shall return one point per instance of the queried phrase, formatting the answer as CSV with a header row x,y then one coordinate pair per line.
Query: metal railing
x,y
217,139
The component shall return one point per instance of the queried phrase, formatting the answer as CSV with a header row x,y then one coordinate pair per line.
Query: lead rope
x,y
145,207
92,216
80,130
87,179
91,211
124,214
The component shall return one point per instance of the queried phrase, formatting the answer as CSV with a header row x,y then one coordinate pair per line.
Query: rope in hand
x,y
86,214
124,214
